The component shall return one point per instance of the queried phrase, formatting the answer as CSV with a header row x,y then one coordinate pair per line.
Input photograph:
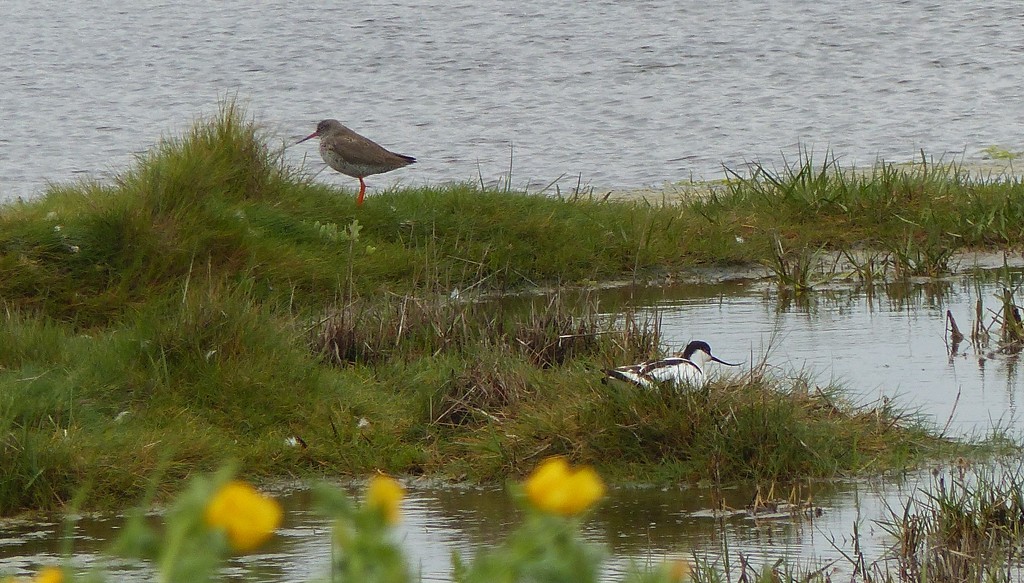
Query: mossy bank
x,y
213,303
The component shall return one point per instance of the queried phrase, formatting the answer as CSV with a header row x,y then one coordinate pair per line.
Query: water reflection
x,y
636,524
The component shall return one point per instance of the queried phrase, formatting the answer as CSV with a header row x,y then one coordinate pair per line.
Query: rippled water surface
x,y
642,525
624,94
889,344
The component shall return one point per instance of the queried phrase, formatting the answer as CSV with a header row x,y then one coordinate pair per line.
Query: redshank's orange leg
x,y
362,191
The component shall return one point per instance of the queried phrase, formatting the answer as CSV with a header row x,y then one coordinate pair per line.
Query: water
x,y
622,94
646,525
890,344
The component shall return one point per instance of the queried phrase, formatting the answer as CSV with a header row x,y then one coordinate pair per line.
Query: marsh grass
x,y
745,570
762,428
213,303
967,526
1002,324
918,213
798,271
927,258
547,331
867,267
556,334
486,391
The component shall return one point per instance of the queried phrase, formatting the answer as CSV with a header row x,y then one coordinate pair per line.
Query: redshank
x,y
354,155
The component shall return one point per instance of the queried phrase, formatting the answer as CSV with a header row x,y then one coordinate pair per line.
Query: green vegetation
x,y
215,304
919,213
969,526
999,153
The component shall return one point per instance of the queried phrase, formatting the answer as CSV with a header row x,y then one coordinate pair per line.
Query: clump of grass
x,y
934,204
758,428
638,337
1011,339
217,160
483,392
868,268
969,527
556,335
548,332
367,333
927,258
797,270
708,570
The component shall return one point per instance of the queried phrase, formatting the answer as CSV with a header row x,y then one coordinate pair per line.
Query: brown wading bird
x,y
353,155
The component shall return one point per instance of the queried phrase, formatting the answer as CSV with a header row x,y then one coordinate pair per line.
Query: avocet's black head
x,y
694,346
692,350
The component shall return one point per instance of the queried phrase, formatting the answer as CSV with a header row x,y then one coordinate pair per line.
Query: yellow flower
x,y
679,570
385,494
49,575
45,575
248,517
555,489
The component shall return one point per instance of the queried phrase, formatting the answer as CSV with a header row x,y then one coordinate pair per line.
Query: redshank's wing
x,y
357,150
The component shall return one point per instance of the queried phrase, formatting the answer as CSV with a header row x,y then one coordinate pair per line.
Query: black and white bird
x,y
685,370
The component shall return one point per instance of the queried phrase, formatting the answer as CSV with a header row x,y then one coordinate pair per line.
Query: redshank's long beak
x,y
312,135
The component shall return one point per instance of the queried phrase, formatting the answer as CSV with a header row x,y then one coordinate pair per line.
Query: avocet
x,y
686,369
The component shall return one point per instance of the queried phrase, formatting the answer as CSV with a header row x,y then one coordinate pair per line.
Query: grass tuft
x,y
969,526
756,428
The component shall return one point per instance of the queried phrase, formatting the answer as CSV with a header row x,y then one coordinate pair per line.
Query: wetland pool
x,y
889,343
645,525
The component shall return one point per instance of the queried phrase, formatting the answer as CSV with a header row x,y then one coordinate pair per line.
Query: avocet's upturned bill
x,y
686,369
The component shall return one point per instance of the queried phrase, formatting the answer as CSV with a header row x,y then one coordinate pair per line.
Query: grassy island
x,y
212,303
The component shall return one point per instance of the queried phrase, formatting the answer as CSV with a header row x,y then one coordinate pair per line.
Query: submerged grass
x,y
966,525
213,303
